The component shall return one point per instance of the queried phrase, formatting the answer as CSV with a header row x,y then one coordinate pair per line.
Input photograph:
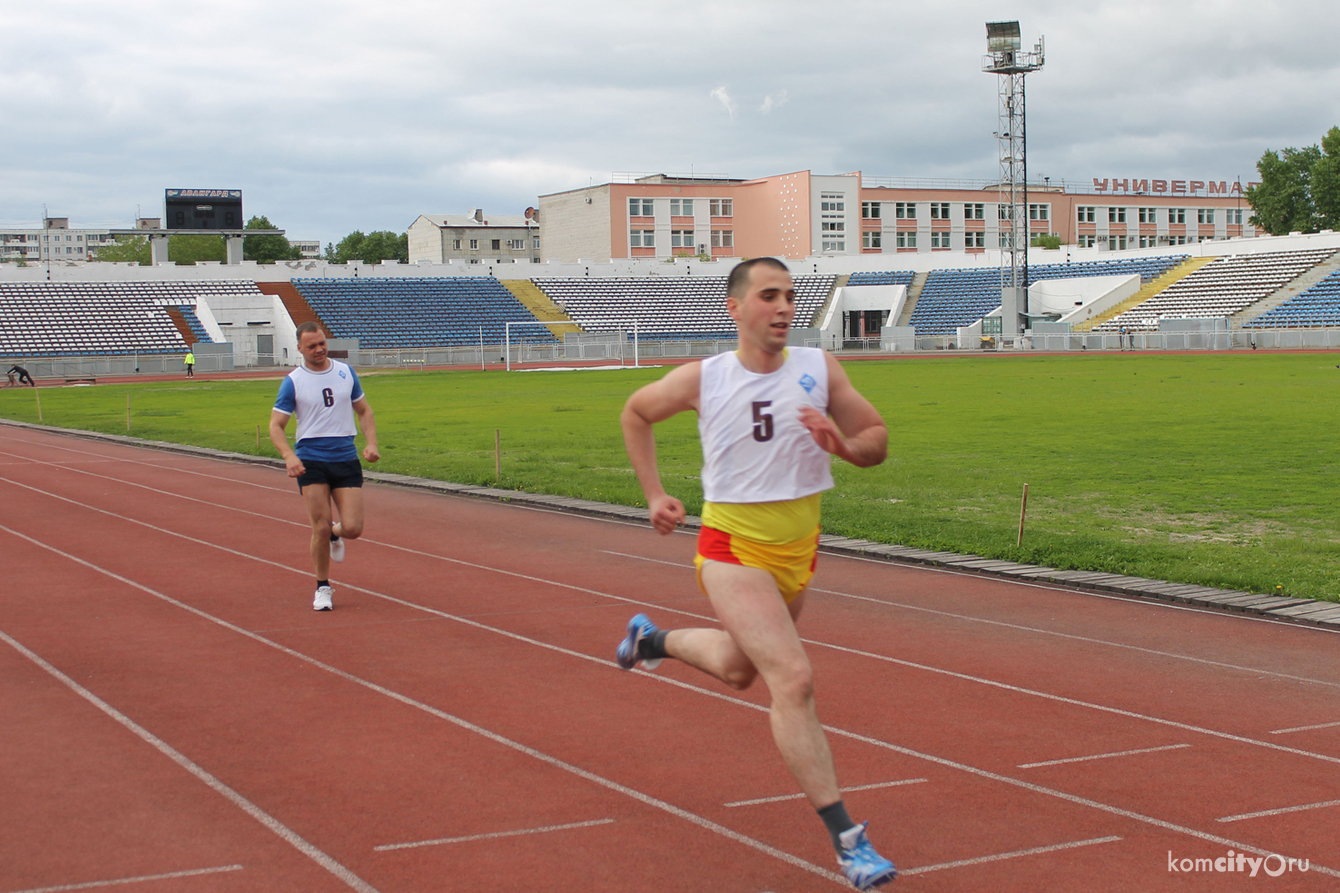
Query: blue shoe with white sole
x,y
639,628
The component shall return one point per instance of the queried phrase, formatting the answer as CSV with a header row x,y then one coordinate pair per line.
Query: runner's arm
x,y
292,464
369,425
855,432
656,402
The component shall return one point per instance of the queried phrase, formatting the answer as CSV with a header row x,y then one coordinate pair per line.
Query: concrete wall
x,y
1077,300
577,224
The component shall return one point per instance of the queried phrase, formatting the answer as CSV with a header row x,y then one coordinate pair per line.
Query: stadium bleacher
x,y
1219,289
953,298
417,313
668,308
1317,306
41,319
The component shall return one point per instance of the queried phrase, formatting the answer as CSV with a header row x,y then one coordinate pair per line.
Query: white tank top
x,y
754,447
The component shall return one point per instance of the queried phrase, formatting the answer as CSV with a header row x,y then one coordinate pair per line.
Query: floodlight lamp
x,y
1003,37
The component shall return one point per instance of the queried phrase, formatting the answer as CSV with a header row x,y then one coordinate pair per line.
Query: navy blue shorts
x,y
336,475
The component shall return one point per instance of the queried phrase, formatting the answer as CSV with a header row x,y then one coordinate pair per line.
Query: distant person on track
x,y
17,375
326,396
768,441
190,363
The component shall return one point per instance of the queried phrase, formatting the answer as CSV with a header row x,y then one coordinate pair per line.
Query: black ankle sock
x,y
653,646
333,537
320,583
836,819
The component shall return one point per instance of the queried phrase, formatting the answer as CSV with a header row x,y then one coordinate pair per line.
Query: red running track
x,y
174,716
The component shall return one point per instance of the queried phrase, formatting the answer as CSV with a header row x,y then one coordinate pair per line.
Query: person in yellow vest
x,y
771,417
190,363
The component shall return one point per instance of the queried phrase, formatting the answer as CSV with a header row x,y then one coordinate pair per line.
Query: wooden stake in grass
x,y
1023,507
497,455
39,405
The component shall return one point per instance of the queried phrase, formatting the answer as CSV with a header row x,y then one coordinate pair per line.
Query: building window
x,y
834,246
681,238
832,201
905,210
974,240
640,207
1205,215
1044,212
1148,241
939,210
1177,215
974,211
1006,239
938,239
1147,215
872,239
1116,243
1086,241
495,244
1233,217
870,210
833,226
907,240
455,244
642,238
721,207
474,244
1085,213
537,241
723,238
1116,215
681,207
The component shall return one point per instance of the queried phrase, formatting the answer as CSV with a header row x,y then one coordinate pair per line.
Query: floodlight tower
x,y
1005,59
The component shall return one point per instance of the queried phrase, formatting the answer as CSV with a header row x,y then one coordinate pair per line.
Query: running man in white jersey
x,y
770,418
325,395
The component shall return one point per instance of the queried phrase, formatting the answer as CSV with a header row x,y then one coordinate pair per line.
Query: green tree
x,y
1046,240
372,248
267,249
126,249
188,250
1299,189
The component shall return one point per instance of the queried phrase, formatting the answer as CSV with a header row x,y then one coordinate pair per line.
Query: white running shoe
x,y
337,549
322,602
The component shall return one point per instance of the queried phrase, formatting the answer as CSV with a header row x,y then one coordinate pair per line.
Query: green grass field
x,y
1218,469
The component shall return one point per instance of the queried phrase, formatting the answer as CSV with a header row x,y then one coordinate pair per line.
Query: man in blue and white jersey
x,y
326,396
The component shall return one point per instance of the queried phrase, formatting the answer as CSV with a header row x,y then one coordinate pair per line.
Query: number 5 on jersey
x,y
762,421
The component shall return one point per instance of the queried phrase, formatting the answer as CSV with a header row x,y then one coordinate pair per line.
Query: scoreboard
x,y
203,209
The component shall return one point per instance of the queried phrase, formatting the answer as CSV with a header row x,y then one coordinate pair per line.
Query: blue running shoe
x,y
638,629
860,863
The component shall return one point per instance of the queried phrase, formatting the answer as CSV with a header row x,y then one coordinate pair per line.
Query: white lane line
x,y
288,835
491,836
999,856
1022,628
1320,725
1280,811
1103,756
854,736
89,885
460,722
859,787
585,590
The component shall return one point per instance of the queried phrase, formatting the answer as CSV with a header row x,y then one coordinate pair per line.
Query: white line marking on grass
x,y
859,787
1281,811
999,856
496,834
89,885
460,722
854,736
288,835
1320,725
1102,756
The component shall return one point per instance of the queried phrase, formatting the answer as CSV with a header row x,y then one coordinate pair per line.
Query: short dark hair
x,y
308,326
738,280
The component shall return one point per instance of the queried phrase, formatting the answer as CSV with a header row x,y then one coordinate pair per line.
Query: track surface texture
x,y
175,717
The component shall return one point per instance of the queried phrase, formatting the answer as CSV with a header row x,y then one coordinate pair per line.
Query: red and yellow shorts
x,y
791,564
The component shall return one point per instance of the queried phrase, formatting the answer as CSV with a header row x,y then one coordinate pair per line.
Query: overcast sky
x,y
333,116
